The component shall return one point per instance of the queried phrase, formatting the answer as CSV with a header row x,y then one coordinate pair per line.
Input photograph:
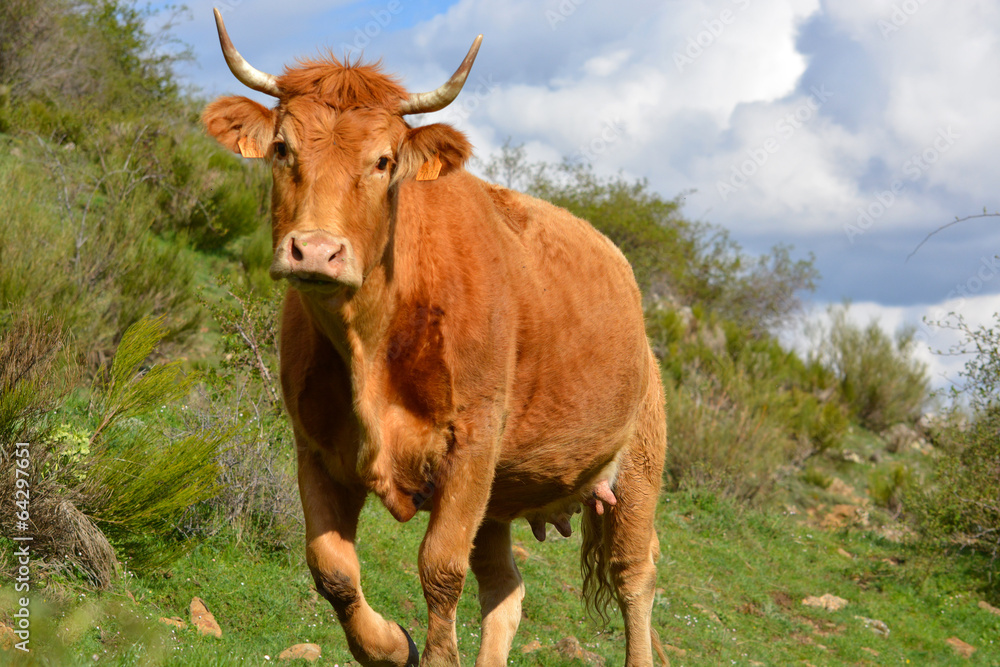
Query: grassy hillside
x,y
730,590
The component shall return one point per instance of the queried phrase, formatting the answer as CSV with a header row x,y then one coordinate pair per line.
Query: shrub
x,y
879,378
88,224
720,442
142,478
33,381
887,484
258,498
961,503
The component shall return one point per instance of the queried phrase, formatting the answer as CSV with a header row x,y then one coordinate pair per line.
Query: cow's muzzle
x,y
316,260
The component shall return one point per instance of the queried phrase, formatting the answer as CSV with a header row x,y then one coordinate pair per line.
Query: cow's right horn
x,y
247,74
438,99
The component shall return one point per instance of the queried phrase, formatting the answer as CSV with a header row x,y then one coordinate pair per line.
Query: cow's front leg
x,y
331,514
460,499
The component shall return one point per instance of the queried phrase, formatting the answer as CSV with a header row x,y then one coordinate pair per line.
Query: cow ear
x,y
428,144
240,124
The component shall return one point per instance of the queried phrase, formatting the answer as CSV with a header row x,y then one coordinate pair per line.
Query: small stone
x,y
851,457
844,553
203,619
961,648
531,646
174,621
310,652
986,606
571,649
839,487
875,625
826,601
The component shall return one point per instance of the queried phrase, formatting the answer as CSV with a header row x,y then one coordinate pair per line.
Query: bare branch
x,y
957,220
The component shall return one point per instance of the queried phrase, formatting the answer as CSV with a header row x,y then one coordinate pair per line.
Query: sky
x,y
848,129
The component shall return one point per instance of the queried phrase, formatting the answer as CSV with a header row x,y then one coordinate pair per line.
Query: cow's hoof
x,y
413,660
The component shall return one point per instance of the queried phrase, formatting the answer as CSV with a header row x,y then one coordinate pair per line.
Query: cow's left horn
x,y
247,74
438,99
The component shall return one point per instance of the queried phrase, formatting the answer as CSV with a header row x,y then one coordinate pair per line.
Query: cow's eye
x,y
382,164
280,150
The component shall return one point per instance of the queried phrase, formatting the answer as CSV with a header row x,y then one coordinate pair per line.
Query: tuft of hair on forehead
x,y
343,84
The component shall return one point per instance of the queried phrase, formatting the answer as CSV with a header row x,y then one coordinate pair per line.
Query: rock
x,y
520,553
175,621
531,646
844,553
203,619
961,648
7,637
826,601
851,457
310,652
841,488
876,626
844,515
983,604
901,438
570,648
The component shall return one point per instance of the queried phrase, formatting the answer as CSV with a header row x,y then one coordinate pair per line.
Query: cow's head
x,y
338,146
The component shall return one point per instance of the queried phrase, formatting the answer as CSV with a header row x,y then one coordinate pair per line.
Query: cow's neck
x,y
356,328
355,325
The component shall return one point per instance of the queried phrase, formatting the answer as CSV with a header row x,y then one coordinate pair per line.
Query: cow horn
x,y
438,99
247,74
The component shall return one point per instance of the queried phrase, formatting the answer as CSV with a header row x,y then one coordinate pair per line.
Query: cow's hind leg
x,y
621,547
331,514
500,591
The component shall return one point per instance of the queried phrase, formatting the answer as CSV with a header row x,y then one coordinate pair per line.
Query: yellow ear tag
x,y
248,148
429,170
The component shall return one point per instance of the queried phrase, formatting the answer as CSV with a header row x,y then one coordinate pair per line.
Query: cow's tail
x,y
595,563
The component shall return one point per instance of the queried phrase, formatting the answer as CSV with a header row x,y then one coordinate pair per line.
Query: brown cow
x,y
452,346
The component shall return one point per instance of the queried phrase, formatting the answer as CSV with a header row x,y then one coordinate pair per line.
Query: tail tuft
x,y
595,564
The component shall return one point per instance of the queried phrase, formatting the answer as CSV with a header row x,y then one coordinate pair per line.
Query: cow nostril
x,y
296,253
337,253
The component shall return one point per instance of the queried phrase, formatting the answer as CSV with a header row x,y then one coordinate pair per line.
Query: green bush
x,y
879,378
960,504
142,478
77,244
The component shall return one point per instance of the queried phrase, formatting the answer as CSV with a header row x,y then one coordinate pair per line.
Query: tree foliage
x,y
878,376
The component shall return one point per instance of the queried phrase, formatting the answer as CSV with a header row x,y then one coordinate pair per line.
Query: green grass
x,y
730,587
